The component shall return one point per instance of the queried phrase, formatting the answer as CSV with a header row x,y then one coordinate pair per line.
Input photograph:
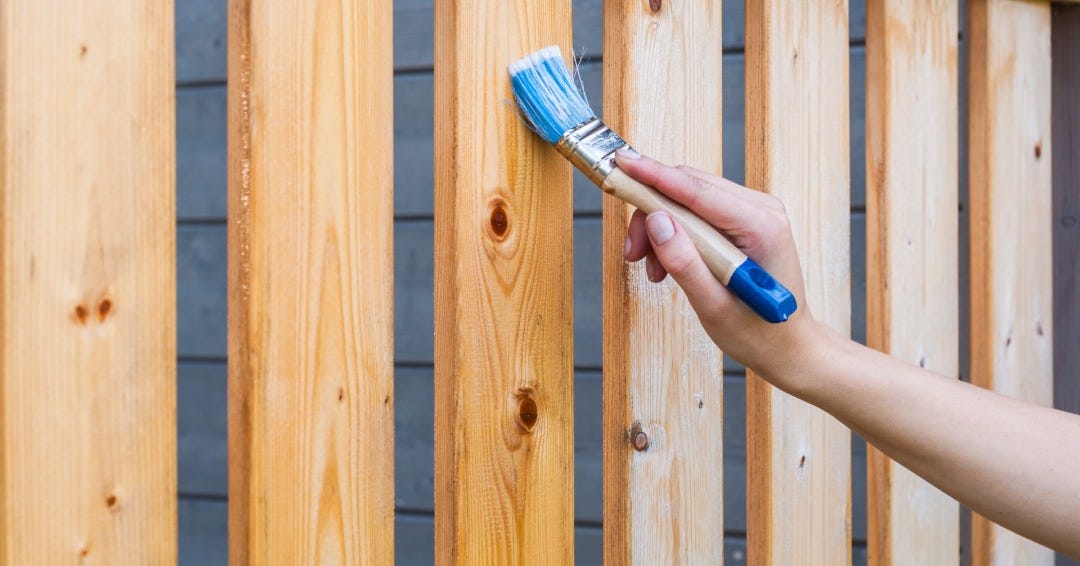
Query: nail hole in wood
x,y
340,394
802,461
1038,149
81,312
640,441
110,501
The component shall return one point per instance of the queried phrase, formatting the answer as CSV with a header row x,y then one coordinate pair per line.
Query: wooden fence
x,y
88,298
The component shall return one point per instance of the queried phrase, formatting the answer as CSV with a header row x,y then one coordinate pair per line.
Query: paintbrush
x,y
558,112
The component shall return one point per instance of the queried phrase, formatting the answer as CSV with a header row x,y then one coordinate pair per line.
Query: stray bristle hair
x,y
546,94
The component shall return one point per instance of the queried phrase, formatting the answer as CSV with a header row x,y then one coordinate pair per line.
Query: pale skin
x,y
1013,462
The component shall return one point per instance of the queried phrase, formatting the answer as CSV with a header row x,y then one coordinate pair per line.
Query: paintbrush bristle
x,y
546,94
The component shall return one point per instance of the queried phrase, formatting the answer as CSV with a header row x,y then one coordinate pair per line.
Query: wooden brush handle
x,y
722,257
746,279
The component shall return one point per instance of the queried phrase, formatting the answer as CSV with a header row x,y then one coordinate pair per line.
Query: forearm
x,y
1013,462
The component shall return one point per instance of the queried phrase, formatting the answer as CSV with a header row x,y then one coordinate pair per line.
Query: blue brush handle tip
x,y
761,292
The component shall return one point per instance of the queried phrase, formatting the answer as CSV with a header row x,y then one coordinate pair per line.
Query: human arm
x,y
1012,462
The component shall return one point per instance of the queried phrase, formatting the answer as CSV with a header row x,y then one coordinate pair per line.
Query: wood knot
x,y
104,308
656,5
528,413
80,313
640,441
498,219
111,501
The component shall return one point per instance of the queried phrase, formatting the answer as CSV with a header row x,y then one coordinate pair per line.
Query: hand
x,y
757,224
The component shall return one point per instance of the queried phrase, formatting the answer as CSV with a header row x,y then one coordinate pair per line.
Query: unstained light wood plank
x,y
797,149
912,246
663,377
504,472
310,282
87,283
1011,219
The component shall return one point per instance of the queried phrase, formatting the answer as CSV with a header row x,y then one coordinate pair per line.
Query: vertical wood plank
x,y
310,282
1066,125
504,434
663,377
797,149
912,246
87,283
1010,194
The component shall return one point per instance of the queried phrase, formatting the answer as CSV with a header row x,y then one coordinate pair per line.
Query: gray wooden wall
x,y
201,131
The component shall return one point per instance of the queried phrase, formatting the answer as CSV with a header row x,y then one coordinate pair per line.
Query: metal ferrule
x,y
591,148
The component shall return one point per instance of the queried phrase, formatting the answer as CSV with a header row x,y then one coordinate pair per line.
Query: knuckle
x,y
701,190
779,222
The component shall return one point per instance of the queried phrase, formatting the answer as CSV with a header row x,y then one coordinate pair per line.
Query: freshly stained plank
x,y
87,283
1066,120
663,377
503,297
310,282
1011,234
912,244
797,148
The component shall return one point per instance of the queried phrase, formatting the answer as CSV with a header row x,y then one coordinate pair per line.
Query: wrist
x,y
796,364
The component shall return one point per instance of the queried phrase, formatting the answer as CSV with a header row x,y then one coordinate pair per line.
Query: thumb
x,y
681,259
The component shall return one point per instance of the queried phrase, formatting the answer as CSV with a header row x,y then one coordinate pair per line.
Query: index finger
x,y
724,207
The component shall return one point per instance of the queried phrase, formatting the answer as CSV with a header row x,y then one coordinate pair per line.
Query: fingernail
x,y
660,227
627,152
626,247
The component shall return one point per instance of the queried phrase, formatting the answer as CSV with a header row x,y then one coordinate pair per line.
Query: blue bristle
x,y
547,95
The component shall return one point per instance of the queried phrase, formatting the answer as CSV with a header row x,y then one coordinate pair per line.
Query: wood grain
x,y
912,289
797,149
310,282
662,374
203,540
1066,125
1011,235
504,487
87,283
